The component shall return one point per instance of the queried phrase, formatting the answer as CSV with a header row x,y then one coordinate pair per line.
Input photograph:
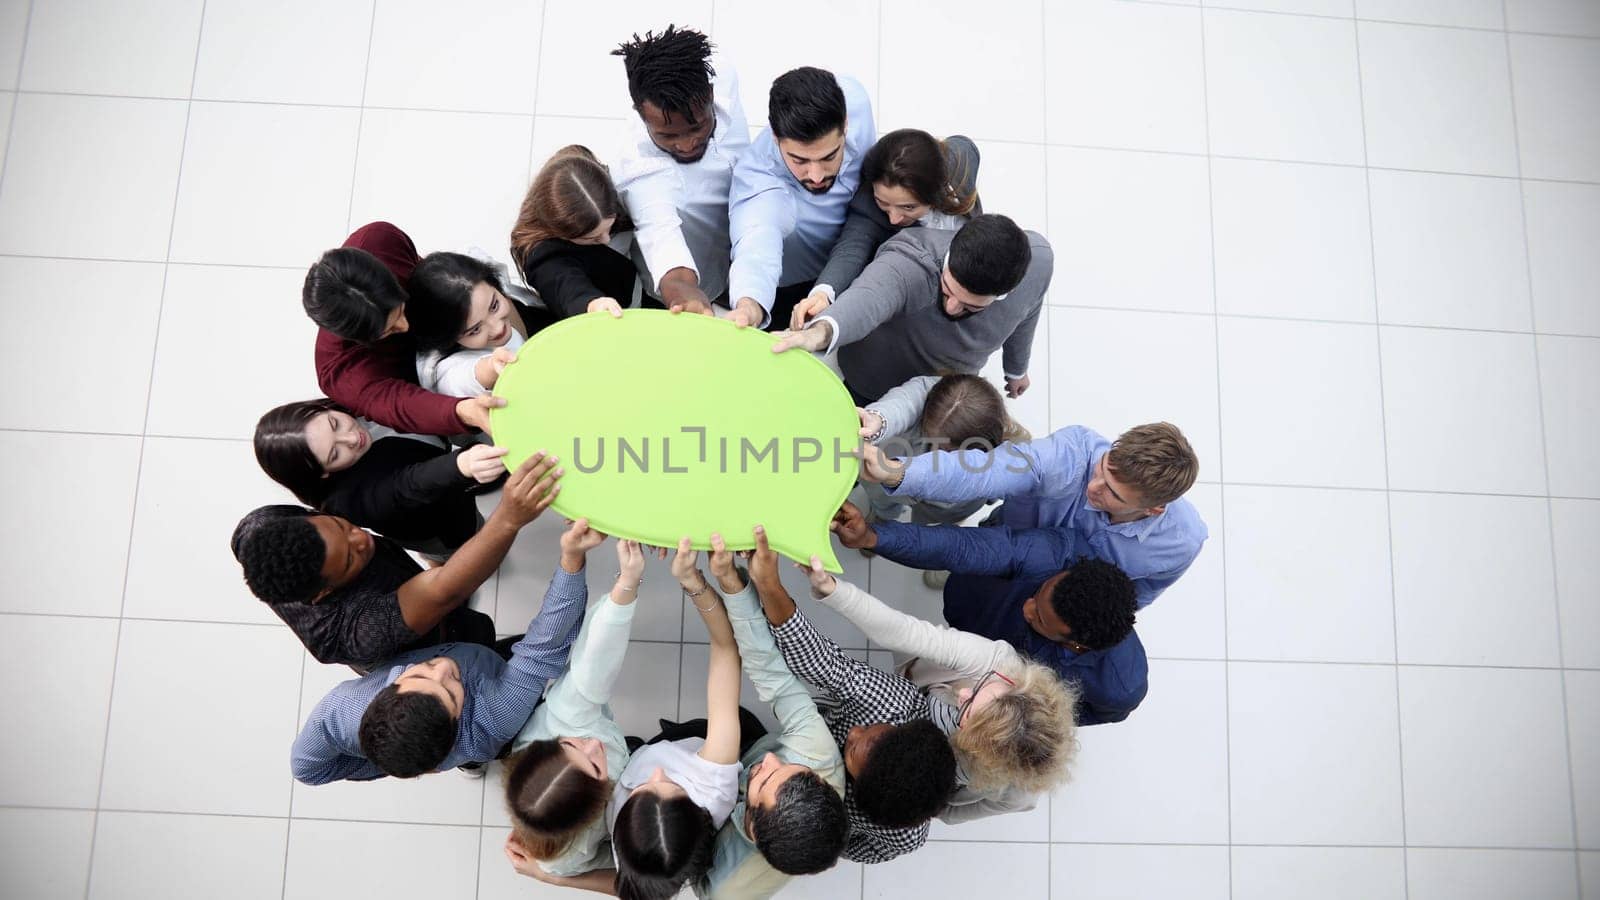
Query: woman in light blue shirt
x,y
560,773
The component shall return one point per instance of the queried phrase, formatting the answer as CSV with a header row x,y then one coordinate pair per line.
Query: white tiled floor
x,y
1378,681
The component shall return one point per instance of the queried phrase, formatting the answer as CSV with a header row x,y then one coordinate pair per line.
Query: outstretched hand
x,y
482,463
823,584
814,340
474,411
879,468
808,309
763,560
531,489
851,526
630,562
686,566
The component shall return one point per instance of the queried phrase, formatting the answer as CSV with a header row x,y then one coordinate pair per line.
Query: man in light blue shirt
x,y
447,705
1123,500
791,190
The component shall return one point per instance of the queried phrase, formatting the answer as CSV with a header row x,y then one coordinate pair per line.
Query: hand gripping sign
x,y
672,425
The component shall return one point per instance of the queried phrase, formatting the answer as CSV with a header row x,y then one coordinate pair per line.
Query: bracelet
x,y
883,424
635,588
693,594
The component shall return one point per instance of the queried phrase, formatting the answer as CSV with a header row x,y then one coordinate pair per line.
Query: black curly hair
x,y
281,552
1095,600
672,70
908,775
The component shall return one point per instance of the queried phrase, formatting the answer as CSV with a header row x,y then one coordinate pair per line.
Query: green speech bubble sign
x,y
672,425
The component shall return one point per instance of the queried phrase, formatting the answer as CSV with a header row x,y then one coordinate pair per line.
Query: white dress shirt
x,y
680,210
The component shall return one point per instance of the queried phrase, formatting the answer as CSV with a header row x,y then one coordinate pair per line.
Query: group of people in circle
x,y
874,252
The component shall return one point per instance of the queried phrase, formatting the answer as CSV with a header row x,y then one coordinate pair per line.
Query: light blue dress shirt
x,y
499,695
782,233
1045,484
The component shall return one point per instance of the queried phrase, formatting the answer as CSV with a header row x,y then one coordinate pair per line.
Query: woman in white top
x,y
558,777
1010,720
674,795
465,326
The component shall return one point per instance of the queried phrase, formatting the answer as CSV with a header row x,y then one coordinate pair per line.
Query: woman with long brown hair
x,y
560,241
909,178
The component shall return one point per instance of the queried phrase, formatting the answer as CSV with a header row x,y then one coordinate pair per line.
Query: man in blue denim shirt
x,y
1028,588
1122,500
447,705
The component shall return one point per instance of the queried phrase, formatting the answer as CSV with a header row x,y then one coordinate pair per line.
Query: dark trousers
x,y
784,302
462,625
750,730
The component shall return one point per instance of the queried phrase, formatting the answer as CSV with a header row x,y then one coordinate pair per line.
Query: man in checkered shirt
x,y
899,764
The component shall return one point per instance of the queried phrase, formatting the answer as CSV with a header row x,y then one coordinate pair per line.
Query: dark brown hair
x,y
550,801
283,453
918,162
569,198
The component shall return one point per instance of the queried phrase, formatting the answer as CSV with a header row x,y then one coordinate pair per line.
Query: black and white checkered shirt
x,y
854,693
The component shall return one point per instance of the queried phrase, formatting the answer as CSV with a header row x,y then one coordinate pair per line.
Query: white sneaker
x,y
935,578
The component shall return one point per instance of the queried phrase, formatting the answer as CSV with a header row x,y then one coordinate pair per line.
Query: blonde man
x,y
1122,499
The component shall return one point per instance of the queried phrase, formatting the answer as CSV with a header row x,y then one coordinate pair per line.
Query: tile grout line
x,y
1359,18
1105,148
1222,495
16,97
1544,448
1388,495
138,478
1049,382
533,120
361,117
1014,841
288,825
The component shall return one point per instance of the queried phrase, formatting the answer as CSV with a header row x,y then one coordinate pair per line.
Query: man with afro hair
x,y
357,599
1029,588
676,165
900,767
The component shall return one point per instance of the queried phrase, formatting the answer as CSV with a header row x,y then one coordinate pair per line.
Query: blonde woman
x,y
1009,719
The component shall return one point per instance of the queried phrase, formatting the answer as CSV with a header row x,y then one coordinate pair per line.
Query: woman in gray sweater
x,y
908,178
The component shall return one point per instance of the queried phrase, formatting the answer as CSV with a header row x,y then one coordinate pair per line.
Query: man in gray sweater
x,y
936,302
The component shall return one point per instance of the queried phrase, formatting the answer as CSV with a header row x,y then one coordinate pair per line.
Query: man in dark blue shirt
x,y
1029,588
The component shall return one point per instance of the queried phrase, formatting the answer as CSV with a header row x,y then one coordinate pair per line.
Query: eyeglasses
x,y
961,712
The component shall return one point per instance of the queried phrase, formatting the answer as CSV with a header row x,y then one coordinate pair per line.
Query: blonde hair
x,y
1026,738
1155,460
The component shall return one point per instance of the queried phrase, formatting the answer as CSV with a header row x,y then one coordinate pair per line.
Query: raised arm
x,y
722,675
427,598
543,651
1052,466
865,228
880,293
805,734
968,654
901,408
968,551
760,215
370,384
578,698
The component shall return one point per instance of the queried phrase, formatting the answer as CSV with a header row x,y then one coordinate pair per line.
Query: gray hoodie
x,y
890,325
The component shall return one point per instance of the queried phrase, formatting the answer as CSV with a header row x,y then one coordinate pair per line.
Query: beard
x,y
686,160
958,316
826,186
